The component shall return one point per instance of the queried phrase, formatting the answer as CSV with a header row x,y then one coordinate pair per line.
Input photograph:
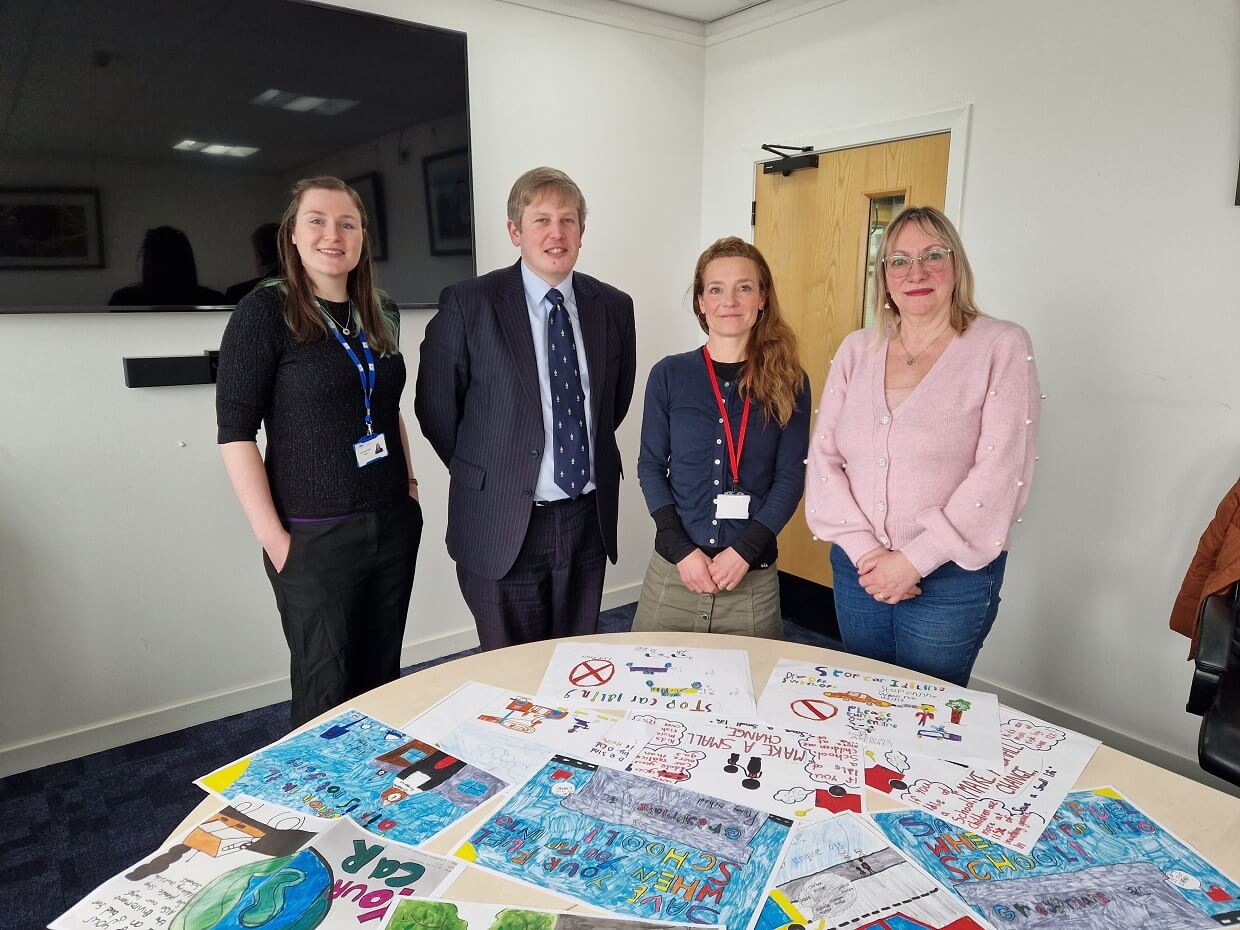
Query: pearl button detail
x,y
716,461
1028,358
882,506
977,503
1044,397
1020,484
993,392
1020,519
884,540
885,420
882,463
988,449
1027,423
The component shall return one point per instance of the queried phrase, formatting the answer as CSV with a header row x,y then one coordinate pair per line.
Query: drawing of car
x,y
857,698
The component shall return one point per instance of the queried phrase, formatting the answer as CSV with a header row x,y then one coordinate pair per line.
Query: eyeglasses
x,y
932,260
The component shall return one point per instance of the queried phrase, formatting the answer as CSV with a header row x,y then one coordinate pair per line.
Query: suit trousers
x,y
343,597
555,586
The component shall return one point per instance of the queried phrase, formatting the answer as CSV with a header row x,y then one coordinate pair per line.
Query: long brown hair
x,y
932,222
772,372
300,308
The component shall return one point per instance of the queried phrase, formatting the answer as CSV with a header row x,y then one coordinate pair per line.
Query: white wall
x,y
132,598
1097,199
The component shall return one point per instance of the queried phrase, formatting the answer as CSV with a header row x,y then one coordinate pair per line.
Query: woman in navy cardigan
x,y
724,439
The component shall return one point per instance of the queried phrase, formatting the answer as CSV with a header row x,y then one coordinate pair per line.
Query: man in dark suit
x,y
524,375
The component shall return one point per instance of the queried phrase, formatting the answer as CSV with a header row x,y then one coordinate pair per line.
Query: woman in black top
x,y
722,464
314,358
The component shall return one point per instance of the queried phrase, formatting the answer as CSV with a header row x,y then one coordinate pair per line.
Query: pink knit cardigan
x,y
942,478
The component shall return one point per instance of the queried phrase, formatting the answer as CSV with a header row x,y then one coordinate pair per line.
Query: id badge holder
x,y
732,505
370,449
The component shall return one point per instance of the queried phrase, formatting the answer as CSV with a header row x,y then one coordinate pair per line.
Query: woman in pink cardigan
x,y
922,457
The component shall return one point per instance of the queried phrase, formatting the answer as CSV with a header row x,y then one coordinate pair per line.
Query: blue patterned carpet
x,y
65,828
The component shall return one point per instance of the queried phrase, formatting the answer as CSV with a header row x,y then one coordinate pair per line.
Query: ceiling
x,y
129,78
702,11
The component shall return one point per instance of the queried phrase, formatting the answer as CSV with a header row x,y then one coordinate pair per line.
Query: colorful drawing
x,y
461,915
655,679
1041,763
247,840
353,765
785,772
842,873
633,846
507,733
885,713
1101,863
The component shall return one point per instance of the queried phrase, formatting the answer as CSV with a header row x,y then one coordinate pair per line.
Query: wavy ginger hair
x,y
772,373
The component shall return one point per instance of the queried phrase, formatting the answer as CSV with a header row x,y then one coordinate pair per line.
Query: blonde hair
x,y
534,181
301,311
772,373
932,222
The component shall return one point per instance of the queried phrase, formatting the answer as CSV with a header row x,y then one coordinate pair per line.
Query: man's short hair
x,y
528,186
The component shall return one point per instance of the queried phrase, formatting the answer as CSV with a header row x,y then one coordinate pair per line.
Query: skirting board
x,y
1124,742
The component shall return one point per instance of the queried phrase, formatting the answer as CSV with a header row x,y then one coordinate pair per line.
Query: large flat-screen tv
x,y
131,129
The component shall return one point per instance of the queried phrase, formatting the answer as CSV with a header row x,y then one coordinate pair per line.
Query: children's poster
x,y
842,873
462,915
245,841
800,776
885,712
1102,864
1041,763
509,734
353,765
633,846
661,679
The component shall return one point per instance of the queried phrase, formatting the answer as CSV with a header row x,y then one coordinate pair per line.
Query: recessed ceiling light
x,y
215,148
303,103
241,151
188,145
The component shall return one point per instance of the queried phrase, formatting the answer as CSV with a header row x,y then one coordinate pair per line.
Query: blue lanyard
x,y
365,372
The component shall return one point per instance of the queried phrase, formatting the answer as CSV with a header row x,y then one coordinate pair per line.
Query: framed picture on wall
x,y
370,188
448,209
50,227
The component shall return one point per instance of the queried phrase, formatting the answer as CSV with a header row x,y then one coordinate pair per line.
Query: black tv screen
x,y
127,122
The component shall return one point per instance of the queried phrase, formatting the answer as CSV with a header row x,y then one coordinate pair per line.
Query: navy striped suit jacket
x,y
477,402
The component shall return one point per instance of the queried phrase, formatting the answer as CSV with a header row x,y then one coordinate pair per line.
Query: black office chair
x,y
1215,692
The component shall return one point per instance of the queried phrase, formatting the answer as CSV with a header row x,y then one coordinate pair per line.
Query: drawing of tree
x,y
513,919
958,707
426,915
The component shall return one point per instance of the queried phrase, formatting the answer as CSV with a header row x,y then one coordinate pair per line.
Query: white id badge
x,y
370,449
732,507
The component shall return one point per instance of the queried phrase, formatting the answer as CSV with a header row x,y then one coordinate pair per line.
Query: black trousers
x,y
555,586
343,597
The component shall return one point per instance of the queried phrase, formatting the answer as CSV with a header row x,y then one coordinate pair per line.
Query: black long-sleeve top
x,y
307,397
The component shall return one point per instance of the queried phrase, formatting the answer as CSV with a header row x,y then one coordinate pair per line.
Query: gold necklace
x,y
929,345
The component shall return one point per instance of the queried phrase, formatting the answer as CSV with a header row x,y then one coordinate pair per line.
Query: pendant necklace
x,y
343,327
912,358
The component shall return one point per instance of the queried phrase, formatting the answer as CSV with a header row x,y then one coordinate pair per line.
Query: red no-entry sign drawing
x,y
814,709
591,672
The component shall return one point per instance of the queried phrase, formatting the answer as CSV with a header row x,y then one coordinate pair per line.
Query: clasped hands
x,y
888,576
704,575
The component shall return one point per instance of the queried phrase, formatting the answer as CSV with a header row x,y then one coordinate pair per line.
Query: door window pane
x,y
882,212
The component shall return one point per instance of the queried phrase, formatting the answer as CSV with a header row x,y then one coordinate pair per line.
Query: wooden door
x,y
816,228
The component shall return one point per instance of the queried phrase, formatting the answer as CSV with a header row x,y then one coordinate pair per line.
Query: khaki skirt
x,y
751,609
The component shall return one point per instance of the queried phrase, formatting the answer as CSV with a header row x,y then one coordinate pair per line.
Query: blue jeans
x,y
939,632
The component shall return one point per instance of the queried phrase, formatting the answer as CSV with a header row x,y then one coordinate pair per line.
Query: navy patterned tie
x,y
572,445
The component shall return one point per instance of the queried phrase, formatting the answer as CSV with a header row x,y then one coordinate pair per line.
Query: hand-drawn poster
x,y
392,784
509,734
247,840
462,915
842,873
796,775
884,712
1102,864
1041,763
661,679
629,845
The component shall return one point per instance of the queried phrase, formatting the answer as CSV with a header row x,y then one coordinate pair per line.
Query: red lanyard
x,y
734,450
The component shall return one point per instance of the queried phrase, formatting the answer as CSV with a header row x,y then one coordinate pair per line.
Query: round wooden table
x,y
1205,818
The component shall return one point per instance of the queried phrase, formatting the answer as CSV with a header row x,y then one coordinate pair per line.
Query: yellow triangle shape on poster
x,y
220,779
467,852
1109,793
